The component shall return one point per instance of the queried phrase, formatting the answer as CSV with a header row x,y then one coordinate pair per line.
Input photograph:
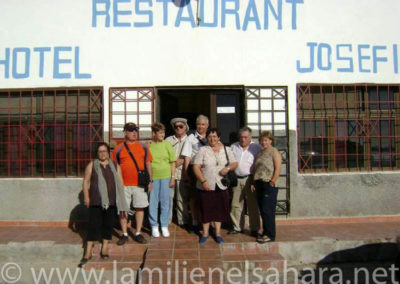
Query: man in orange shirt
x,y
129,174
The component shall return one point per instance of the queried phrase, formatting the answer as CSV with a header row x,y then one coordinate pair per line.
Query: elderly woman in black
x,y
104,196
211,164
266,172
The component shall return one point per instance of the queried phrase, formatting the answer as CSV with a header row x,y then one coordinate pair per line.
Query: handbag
x,y
231,178
143,175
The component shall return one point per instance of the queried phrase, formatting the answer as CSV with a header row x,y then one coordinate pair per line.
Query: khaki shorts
x,y
137,196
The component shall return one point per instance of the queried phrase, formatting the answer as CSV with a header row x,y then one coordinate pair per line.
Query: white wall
x,y
161,55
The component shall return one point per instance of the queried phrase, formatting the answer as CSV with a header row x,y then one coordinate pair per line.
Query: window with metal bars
x,y
348,127
131,104
49,132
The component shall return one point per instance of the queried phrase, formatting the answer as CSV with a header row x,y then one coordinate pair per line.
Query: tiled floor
x,y
177,255
180,239
181,252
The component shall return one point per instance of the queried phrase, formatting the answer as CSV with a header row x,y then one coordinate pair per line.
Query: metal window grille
x,y
131,105
49,132
348,127
266,109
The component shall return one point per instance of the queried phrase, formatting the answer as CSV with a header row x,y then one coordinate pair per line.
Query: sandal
x,y
84,260
263,239
104,256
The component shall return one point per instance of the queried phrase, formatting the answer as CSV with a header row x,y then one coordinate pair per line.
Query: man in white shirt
x,y
182,197
189,151
245,152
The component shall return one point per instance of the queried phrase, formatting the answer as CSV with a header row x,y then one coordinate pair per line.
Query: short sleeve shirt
x,y
211,163
163,157
193,143
177,145
245,157
129,172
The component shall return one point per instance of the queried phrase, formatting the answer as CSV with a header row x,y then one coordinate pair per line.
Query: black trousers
x,y
267,199
101,220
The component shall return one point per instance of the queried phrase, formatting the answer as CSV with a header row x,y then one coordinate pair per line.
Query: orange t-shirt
x,y
128,168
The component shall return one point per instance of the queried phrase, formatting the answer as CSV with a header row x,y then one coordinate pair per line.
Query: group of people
x,y
190,168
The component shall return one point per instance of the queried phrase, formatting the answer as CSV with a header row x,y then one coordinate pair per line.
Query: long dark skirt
x,y
213,206
101,220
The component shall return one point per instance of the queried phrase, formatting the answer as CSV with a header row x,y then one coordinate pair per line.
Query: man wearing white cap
x,y
182,196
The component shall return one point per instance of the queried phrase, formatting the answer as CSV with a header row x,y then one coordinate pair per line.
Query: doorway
x,y
223,106
228,107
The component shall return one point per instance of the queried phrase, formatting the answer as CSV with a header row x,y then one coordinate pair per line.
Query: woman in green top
x,y
163,168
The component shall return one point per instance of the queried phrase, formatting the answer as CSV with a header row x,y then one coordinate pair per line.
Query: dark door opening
x,y
223,106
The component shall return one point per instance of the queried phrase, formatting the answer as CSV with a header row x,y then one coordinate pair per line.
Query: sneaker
x,y
122,240
140,239
165,232
155,233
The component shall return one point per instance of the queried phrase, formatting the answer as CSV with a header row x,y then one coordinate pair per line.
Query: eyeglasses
x,y
181,126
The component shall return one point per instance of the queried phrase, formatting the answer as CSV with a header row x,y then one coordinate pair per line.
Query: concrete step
x,y
251,262
113,263
125,250
251,255
249,248
126,256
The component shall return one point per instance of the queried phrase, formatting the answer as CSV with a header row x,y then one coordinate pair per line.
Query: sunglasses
x,y
181,126
132,129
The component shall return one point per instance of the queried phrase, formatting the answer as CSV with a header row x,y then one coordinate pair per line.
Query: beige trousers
x,y
242,192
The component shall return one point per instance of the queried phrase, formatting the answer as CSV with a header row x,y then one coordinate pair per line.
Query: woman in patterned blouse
x,y
210,166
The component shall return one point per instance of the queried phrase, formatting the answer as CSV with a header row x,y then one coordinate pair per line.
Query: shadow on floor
x,y
78,218
372,263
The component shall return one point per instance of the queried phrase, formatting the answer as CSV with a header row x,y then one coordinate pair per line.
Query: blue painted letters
x,y
26,53
6,63
251,15
323,58
117,12
96,12
339,49
226,11
214,23
21,62
277,13
147,13
189,18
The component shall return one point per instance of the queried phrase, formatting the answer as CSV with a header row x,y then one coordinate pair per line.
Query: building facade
x,y
322,75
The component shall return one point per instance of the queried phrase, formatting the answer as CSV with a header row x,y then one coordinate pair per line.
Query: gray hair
x,y
245,128
202,117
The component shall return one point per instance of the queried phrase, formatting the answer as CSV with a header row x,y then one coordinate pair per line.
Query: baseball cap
x,y
130,126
